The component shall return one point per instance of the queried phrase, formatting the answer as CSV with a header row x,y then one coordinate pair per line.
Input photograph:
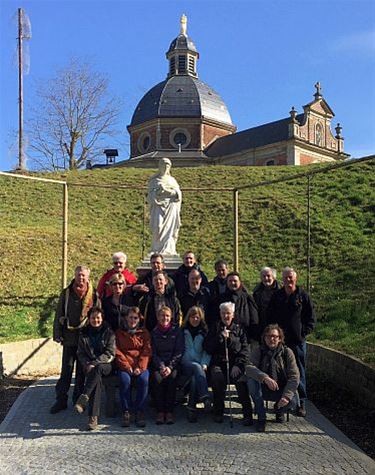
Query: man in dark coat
x,y
218,285
144,283
181,276
292,309
71,315
263,292
246,312
196,296
158,297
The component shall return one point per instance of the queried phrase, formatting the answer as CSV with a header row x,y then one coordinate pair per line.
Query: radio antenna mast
x,y
24,33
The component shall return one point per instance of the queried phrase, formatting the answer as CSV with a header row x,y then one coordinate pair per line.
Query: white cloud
x,y
361,42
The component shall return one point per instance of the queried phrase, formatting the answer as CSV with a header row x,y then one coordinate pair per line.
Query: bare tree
x,y
73,116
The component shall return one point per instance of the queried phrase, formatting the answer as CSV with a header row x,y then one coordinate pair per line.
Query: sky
x,y
262,57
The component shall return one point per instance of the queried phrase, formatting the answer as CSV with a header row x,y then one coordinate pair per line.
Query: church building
x,y
184,119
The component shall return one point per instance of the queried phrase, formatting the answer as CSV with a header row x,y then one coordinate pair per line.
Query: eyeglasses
x,y
120,284
276,337
133,318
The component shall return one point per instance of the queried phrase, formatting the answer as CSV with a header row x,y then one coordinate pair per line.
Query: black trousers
x,y
93,386
164,391
219,383
69,357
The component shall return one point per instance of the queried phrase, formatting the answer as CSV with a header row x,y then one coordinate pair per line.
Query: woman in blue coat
x,y
195,360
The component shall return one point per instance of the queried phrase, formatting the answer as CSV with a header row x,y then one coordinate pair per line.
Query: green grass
x,y
272,231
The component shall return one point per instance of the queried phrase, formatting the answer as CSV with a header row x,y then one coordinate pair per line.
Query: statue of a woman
x,y
164,197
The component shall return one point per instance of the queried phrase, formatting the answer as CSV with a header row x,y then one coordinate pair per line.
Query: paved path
x,y
34,442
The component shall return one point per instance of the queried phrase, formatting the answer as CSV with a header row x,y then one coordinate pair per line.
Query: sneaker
x,y
93,423
160,417
125,419
81,403
301,410
207,404
58,406
260,425
140,419
169,419
192,414
280,417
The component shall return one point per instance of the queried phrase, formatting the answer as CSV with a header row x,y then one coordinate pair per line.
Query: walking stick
x,y
228,383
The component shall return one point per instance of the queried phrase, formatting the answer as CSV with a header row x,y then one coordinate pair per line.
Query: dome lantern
x,y
182,53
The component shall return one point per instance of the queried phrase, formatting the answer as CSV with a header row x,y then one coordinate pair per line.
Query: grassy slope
x,y
272,232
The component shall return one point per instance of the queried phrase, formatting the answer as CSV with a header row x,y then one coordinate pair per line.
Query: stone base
x,y
172,263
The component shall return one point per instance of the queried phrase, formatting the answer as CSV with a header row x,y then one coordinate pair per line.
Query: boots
x,y
140,419
93,423
81,403
126,419
58,406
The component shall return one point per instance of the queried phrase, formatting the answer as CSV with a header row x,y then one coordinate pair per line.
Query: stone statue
x,y
164,198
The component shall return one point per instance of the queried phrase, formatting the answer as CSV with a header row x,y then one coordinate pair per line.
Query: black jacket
x,y
181,279
200,299
295,314
262,296
106,346
147,308
238,352
147,279
246,312
112,312
167,347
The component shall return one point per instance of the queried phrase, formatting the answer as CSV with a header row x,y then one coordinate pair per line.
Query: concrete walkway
x,y
33,441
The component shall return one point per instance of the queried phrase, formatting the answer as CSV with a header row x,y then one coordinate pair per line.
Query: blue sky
x,y
262,57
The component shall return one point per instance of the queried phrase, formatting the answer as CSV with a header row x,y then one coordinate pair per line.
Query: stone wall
x,y
31,357
343,370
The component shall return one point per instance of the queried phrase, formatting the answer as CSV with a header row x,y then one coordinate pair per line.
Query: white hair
x,y
119,255
286,270
268,269
227,306
82,269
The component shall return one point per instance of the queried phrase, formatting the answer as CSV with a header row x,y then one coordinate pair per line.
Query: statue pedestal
x,y
172,263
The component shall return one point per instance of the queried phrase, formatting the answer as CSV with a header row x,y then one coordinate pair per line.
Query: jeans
x,y
300,354
69,357
93,386
141,382
260,392
198,384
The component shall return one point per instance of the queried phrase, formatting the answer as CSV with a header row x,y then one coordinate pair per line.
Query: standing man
x,y
196,296
181,276
218,285
246,313
263,293
119,265
144,284
292,309
71,315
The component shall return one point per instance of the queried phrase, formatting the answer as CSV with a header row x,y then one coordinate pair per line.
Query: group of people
x,y
158,330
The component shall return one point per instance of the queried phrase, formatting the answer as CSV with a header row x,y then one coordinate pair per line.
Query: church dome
x,y
181,96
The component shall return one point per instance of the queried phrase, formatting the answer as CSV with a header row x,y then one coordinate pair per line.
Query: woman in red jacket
x,y
133,352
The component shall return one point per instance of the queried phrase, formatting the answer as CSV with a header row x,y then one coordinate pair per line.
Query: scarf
x,y
164,329
87,303
268,363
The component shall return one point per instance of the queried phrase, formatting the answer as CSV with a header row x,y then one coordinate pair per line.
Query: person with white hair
x,y
119,260
291,308
263,293
226,336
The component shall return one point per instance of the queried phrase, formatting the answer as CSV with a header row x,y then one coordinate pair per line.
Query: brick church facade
x,y
185,120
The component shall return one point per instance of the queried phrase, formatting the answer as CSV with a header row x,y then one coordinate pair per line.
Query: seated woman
x,y
118,302
195,360
133,352
96,351
273,376
223,335
167,351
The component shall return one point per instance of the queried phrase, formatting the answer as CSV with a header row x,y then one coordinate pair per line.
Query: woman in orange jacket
x,y
133,353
